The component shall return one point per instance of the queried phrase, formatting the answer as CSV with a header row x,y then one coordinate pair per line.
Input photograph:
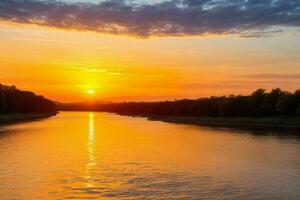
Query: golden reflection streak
x,y
91,153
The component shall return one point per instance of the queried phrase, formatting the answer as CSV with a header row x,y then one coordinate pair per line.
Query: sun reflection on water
x,y
105,156
91,163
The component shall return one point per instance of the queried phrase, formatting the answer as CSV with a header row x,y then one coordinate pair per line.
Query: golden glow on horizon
x,y
73,66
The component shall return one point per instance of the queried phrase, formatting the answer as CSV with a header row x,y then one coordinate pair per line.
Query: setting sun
x,y
91,92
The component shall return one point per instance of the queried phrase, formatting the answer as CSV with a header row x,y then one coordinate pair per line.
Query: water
x,y
104,156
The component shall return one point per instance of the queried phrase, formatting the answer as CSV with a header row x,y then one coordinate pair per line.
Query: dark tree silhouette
x,y
259,104
13,100
255,101
268,106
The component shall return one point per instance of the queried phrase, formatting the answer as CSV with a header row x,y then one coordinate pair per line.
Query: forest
x,y
13,100
276,103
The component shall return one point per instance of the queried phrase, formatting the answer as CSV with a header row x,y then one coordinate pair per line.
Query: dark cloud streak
x,y
274,76
249,18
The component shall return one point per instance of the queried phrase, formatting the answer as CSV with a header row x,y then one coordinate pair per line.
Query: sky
x,y
142,50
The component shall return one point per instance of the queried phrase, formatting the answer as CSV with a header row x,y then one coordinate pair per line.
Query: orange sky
x,y
64,65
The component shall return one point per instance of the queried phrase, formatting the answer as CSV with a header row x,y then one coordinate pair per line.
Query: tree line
x,y
13,100
259,104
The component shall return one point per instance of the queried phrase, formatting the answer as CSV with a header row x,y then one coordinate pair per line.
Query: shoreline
x,y
7,119
250,123
267,123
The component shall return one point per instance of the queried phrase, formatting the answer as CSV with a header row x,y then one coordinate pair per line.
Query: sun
x,y
91,91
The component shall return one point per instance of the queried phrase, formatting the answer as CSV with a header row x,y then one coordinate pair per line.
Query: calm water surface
x,y
104,156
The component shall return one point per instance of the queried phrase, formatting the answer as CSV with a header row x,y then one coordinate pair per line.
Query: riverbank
x,y
17,118
274,123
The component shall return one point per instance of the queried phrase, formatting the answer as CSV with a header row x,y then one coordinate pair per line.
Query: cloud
x,y
85,69
249,18
274,76
31,39
113,72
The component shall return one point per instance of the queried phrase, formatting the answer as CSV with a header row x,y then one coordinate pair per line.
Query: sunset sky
x,y
119,50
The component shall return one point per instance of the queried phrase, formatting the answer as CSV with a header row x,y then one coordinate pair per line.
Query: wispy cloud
x,y
103,48
248,18
86,69
31,39
113,72
273,76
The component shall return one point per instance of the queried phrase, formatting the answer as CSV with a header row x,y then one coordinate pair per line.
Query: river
x,y
84,155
